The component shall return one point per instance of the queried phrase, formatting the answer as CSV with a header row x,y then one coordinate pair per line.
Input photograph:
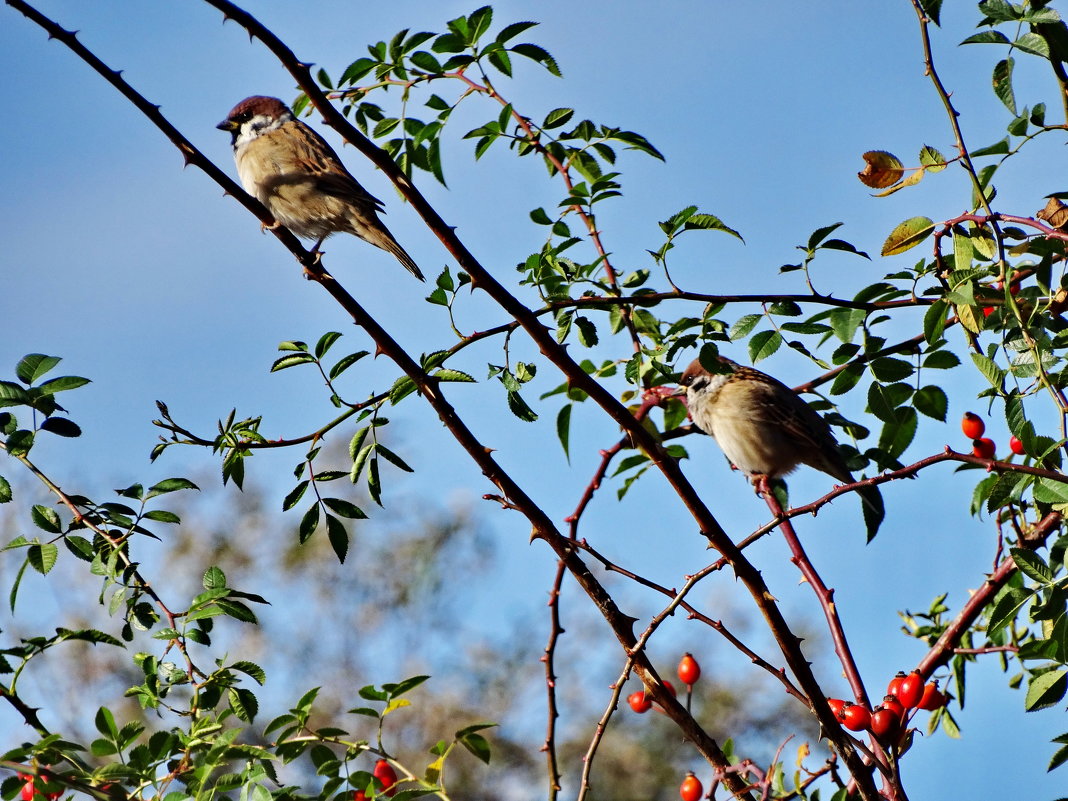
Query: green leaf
x,y
934,321
46,519
896,437
34,365
42,557
457,376
477,745
1045,690
105,723
763,344
519,407
325,342
61,426
987,37
170,485
5,491
243,703
743,326
931,401
294,496
932,8
994,374
881,404
213,579
284,362
345,362
345,508
1034,44
540,55
1002,81
907,235
390,456
1031,565
556,118
932,159
513,30
563,428
338,536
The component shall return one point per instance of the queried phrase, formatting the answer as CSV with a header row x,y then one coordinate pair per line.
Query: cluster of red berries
x,y
887,721
29,792
688,671
387,778
973,427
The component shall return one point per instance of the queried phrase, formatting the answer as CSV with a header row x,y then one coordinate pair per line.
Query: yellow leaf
x,y
395,704
907,235
969,319
881,169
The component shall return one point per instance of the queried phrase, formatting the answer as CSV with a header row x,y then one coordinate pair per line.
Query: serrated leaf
x,y
763,344
743,326
338,536
931,401
907,235
1045,690
344,508
1031,565
46,519
284,362
934,321
170,485
932,160
881,169
213,579
42,556
34,365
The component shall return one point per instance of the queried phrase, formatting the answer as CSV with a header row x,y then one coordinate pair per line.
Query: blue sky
x,y
146,279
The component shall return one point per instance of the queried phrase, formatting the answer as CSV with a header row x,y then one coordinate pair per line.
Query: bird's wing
x,y
331,175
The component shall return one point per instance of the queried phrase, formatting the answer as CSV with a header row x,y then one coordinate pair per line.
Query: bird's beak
x,y
227,125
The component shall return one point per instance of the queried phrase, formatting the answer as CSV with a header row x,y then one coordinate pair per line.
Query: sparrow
x,y
292,171
762,425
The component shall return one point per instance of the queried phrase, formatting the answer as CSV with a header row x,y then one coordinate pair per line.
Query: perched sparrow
x,y
301,180
761,424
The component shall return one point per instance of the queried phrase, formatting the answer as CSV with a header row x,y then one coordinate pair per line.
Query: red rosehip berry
x,y
639,702
28,791
932,698
386,775
689,671
884,723
984,448
972,425
911,689
1016,446
670,687
359,795
691,789
895,683
836,705
892,702
856,718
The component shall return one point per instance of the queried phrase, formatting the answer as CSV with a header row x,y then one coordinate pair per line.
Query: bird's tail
x,y
379,235
394,247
